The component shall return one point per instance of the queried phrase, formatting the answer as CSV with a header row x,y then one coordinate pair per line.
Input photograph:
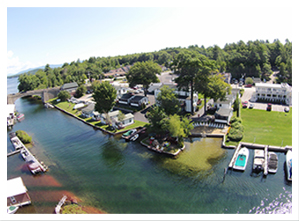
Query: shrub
x,y
235,134
238,126
23,136
236,119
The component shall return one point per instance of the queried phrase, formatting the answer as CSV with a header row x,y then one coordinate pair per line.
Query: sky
x,y
37,36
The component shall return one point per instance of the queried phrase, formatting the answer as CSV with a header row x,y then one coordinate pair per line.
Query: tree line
x,y
254,58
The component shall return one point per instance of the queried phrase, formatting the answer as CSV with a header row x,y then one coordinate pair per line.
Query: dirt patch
x,y
209,130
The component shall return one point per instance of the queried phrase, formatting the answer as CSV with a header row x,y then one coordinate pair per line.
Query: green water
x,y
124,177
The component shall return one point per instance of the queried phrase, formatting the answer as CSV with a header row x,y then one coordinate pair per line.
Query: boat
x,y
12,209
34,167
272,162
24,153
242,158
289,165
135,137
20,116
258,160
128,133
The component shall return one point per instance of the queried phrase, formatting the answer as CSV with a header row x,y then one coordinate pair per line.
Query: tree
x,y
23,136
178,128
81,90
248,80
156,118
217,88
64,95
168,101
194,71
143,73
104,96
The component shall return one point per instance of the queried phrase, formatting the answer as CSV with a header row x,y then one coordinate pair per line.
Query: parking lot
x,y
262,106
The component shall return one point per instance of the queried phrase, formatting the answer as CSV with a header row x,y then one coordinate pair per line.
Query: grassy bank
x,y
68,107
266,127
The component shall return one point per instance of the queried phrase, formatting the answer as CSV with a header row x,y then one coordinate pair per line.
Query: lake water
x,y
124,177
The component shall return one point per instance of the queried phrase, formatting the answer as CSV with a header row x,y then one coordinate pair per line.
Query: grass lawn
x,y
272,128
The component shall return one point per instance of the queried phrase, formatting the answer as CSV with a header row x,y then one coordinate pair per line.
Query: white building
x,y
113,115
16,193
183,96
273,93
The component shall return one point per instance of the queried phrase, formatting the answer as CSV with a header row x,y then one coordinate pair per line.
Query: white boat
x,y
12,209
258,160
24,153
20,116
135,137
289,159
272,162
242,158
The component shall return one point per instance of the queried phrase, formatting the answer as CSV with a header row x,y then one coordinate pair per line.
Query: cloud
x,y
14,65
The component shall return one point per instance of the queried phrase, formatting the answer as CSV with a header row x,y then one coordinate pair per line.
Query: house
x,y
125,98
70,87
17,193
128,118
229,99
88,110
120,90
223,115
183,96
280,93
137,101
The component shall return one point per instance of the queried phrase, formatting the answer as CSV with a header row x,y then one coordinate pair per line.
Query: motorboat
x,y
20,116
242,158
289,165
258,160
135,137
24,153
128,133
272,162
12,209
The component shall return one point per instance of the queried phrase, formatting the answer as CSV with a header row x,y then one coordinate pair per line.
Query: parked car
x,y
248,85
245,104
269,107
286,109
251,106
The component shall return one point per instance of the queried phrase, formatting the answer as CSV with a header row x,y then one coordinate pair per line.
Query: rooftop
x,y
69,85
15,187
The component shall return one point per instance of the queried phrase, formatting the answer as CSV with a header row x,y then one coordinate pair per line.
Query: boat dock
x,y
233,160
13,152
266,148
29,157
140,130
59,205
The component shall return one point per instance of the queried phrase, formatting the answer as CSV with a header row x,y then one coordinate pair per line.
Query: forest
x,y
253,59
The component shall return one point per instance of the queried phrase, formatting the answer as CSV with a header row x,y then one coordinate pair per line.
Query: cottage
x,y
125,98
280,93
223,115
17,193
70,87
128,118
88,110
137,101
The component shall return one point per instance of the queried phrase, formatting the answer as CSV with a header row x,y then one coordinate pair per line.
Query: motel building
x,y
280,93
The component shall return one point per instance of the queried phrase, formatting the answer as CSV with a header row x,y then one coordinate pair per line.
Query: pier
x,y
28,157
13,152
59,205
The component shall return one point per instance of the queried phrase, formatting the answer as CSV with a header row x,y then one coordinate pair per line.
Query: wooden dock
x,y
59,205
232,162
29,157
266,161
13,152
